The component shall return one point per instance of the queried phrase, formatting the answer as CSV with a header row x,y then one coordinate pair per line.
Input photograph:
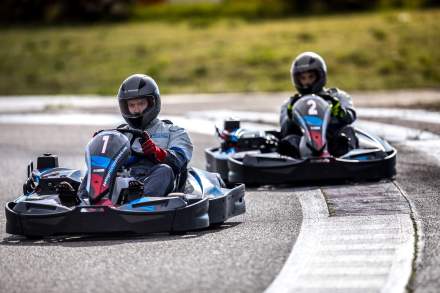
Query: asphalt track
x,y
245,255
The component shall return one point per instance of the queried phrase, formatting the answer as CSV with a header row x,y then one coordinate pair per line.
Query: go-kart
x,y
253,157
57,201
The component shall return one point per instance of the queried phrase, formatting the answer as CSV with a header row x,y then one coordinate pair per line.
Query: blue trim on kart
x,y
132,160
227,152
362,158
215,191
40,173
198,179
313,120
100,161
148,208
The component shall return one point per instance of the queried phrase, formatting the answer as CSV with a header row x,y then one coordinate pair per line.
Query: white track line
x,y
402,114
195,124
203,122
273,118
42,103
314,265
62,119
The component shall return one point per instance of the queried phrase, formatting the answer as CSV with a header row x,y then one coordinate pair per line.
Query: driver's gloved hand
x,y
291,104
337,110
150,149
67,194
65,188
135,185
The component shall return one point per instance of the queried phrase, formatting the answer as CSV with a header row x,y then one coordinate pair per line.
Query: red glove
x,y
151,149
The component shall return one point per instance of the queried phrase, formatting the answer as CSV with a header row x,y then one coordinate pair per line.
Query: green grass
x,y
365,51
208,12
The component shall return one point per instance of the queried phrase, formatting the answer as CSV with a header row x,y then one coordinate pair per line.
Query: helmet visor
x,y
135,107
307,78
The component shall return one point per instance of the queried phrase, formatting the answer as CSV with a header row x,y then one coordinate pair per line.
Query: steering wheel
x,y
142,135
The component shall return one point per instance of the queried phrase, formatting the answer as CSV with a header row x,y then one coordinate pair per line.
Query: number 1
x,y
104,147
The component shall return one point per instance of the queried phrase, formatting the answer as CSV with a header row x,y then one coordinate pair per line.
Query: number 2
x,y
104,147
312,109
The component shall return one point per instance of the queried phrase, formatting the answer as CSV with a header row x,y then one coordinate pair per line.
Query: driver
x,y
163,153
309,76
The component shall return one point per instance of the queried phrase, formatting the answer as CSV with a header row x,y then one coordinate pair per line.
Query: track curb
x,y
342,253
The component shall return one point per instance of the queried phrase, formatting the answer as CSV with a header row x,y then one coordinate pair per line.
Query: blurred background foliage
x,y
62,11
215,46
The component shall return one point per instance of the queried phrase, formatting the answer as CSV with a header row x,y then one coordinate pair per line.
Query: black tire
x,y
216,225
178,233
33,237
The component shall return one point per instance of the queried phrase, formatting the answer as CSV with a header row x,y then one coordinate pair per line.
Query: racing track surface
x,y
242,256
245,255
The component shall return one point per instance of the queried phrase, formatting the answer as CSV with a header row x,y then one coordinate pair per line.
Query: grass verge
x,y
364,52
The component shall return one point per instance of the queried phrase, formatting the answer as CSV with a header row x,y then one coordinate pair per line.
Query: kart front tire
x,y
33,237
178,233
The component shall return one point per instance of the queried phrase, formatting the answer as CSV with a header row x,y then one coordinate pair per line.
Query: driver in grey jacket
x,y
309,76
165,150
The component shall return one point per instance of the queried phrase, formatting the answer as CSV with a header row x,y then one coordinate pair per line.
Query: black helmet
x,y
139,86
309,61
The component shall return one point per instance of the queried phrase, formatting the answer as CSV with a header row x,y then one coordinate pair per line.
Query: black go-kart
x,y
57,201
253,157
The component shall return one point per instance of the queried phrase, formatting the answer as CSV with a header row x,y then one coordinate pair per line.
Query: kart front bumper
x,y
46,220
282,170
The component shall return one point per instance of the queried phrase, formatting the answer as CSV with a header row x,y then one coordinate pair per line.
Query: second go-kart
x,y
252,157
58,201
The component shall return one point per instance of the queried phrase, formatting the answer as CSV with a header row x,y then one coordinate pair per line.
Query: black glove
x,y
67,194
292,101
337,110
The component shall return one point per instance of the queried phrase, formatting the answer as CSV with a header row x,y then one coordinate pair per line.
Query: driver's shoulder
x,y
166,124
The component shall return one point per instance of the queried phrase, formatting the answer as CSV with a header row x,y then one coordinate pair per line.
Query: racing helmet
x,y
309,61
139,86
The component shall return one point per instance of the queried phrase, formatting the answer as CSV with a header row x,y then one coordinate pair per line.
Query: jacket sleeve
x,y
347,103
180,149
286,123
